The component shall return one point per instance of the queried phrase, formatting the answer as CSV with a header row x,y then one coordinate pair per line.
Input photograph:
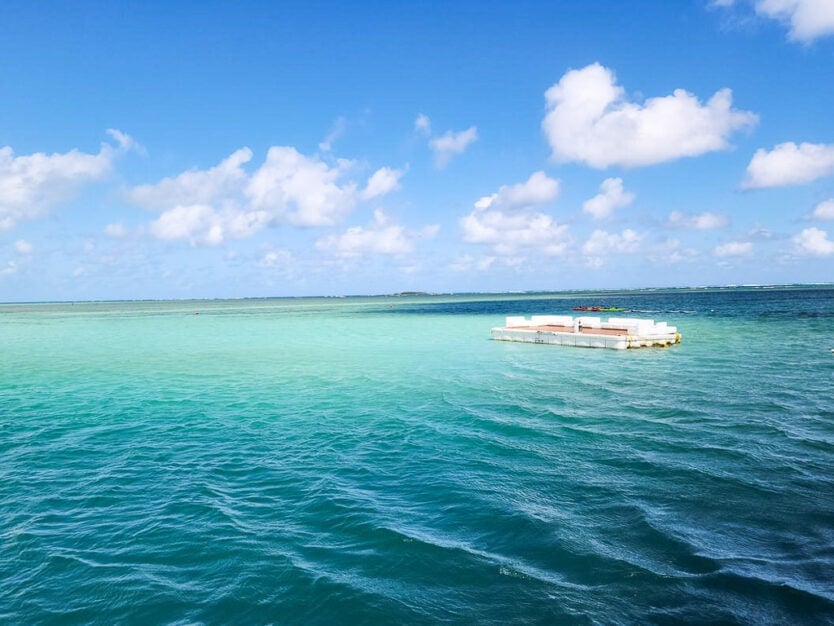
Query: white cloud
x,y
508,233
422,125
275,258
814,242
611,196
468,263
207,207
807,19
734,248
302,190
220,183
30,185
337,131
824,210
602,243
789,164
702,221
452,143
538,189
380,237
589,120
196,222
505,221
671,251
21,246
201,224
124,141
382,182
760,233
9,269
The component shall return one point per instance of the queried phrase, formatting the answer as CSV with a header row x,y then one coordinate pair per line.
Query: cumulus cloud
x,y
814,242
302,190
202,224
208,207
222,183
590,120
507,233
602,243
789,164
611,196
824,210
506,220
380,237
538,189
452,143
382,182
702,221
30,185
734,248
806,19
197,223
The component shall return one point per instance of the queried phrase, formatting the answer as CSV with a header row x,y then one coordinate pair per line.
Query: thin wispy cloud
x,y
422,125
451,144
734,249
335,133
701,221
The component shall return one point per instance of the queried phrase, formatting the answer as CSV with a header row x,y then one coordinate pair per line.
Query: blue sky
x,y
247,149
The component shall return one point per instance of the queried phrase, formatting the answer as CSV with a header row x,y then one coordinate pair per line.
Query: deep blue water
x,y
380,460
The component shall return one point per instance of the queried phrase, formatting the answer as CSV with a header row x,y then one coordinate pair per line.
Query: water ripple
x,y
257,466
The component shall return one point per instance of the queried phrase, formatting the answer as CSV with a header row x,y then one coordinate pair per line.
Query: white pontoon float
x,y
618,333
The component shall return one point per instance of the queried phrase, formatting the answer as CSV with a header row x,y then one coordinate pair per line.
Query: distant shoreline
x,y
567,293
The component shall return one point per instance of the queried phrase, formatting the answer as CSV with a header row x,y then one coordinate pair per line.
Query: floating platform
x,y
618,333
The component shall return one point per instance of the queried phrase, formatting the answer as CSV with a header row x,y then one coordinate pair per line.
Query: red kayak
x,y
598,309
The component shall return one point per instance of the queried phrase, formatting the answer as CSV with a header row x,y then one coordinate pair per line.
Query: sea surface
x,y
381,461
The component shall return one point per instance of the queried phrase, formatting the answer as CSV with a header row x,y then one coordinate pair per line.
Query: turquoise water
x,y
380,460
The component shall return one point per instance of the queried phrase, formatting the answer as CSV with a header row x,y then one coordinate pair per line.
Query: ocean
x,y
379,460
